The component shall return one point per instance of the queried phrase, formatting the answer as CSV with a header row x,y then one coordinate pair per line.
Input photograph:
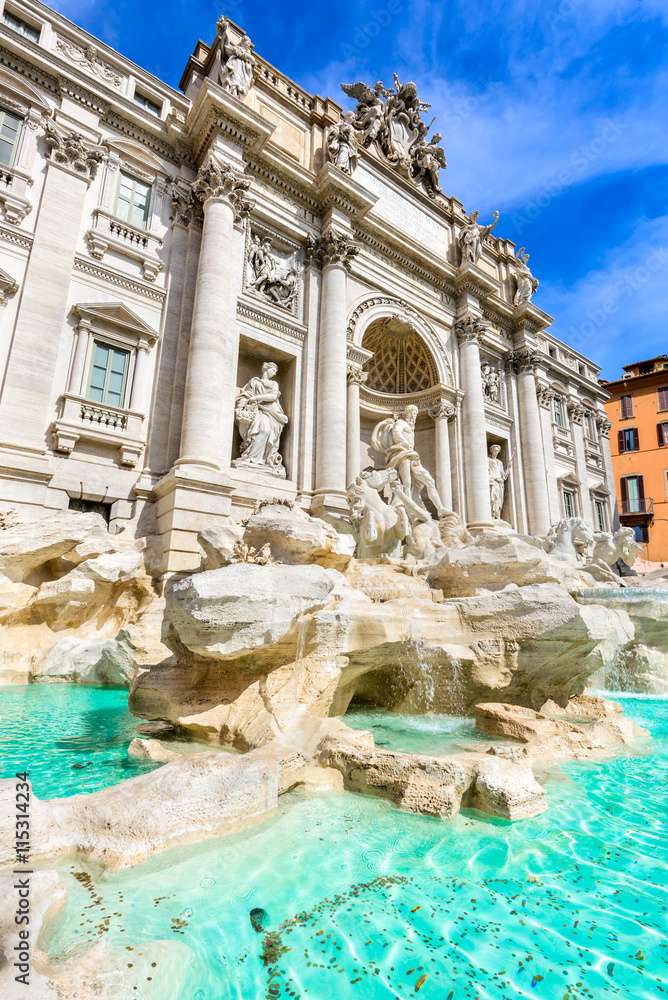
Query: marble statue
x,y
471,236
498,474
394,439
491,382
571,540
526,282
609,549
282,289
342,146
237,61
392,120
261,421
379,527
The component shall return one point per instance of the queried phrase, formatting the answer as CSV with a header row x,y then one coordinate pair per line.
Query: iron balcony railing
x,y
638,506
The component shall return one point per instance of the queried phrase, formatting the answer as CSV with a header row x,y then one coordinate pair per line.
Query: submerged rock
x,y
507,789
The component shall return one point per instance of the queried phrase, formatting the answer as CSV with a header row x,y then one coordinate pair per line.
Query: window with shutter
x,y
628,439
10,127
626,404
662,434
663,398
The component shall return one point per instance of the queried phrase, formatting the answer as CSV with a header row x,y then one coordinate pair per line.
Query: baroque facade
x,y
215,295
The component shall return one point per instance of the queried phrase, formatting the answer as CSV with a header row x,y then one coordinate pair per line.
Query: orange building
x,y
638,411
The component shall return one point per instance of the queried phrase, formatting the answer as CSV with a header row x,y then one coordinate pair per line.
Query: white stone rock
x,y
28,546
218,544
81,661
507,789
297,538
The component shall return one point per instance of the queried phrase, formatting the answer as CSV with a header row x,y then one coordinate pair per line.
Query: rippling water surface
x,y
362,900
71,739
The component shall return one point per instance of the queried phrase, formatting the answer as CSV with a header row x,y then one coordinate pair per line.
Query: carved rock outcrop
x,y
296,538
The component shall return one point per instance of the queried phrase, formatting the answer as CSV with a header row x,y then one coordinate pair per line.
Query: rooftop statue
x,y
526,282
342,145
236,61
471,236
392,119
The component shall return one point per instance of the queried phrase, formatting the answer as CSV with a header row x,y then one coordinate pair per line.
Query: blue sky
x,y
554,113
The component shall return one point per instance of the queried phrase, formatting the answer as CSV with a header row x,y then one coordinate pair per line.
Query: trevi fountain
x,y
324,671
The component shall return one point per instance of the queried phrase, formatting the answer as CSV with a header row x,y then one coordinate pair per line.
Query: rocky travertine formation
x,y
67,589
295,537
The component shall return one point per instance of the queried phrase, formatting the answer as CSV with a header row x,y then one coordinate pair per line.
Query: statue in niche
x,y
261,421
282,289
237,61
342,145
394,439
498,475
526,282
471,236
491,382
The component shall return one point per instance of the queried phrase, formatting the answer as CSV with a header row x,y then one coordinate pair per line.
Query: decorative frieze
x,y
70,149
218,180
332,248
119,279
88,59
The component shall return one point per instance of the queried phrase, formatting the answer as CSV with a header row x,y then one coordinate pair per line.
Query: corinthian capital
x,y
332,248
219,180
545,394
524,360
604,425
441,410
70,149
470,329
356,375
576,411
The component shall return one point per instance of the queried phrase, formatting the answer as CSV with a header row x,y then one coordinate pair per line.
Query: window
x,y
558,412
626,404
663,398
581,368
133,200
10,126
21,27
628,439
665,483
641,533
633,495
645,369
553,351
108,374
570,507
590,427
147,103
599,515
662,434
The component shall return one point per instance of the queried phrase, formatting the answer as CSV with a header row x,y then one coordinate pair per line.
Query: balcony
x,y
637,508
14,203
112,234
80,419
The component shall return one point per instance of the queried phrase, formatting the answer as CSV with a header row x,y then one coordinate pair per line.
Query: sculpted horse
x,y
571,540
380,529
610,549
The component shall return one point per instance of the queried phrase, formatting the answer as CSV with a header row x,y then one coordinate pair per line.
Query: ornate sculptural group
x,y
526,282
236,61
392,119
471,236
573,540
261,421
275,280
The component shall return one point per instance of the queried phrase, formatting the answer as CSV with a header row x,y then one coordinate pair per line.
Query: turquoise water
x,y
365,901
427,734
70,739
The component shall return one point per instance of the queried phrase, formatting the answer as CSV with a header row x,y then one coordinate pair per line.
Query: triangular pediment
x,y
115,314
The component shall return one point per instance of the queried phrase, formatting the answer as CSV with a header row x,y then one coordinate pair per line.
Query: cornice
x,y
16,236
254,313
120,280
215,111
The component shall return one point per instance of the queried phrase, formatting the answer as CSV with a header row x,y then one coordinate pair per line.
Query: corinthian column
x,y
335,253
356,378
208,408
476,475
533,459
441,413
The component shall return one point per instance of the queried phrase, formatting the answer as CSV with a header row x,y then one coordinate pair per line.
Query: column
x,y
208,408
545,396
356,377
335,252
604,426
27,396
576,413
533,460
441,414
138,401
75,385
476,477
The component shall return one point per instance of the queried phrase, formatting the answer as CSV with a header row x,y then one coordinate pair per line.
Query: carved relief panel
x,y
273,270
